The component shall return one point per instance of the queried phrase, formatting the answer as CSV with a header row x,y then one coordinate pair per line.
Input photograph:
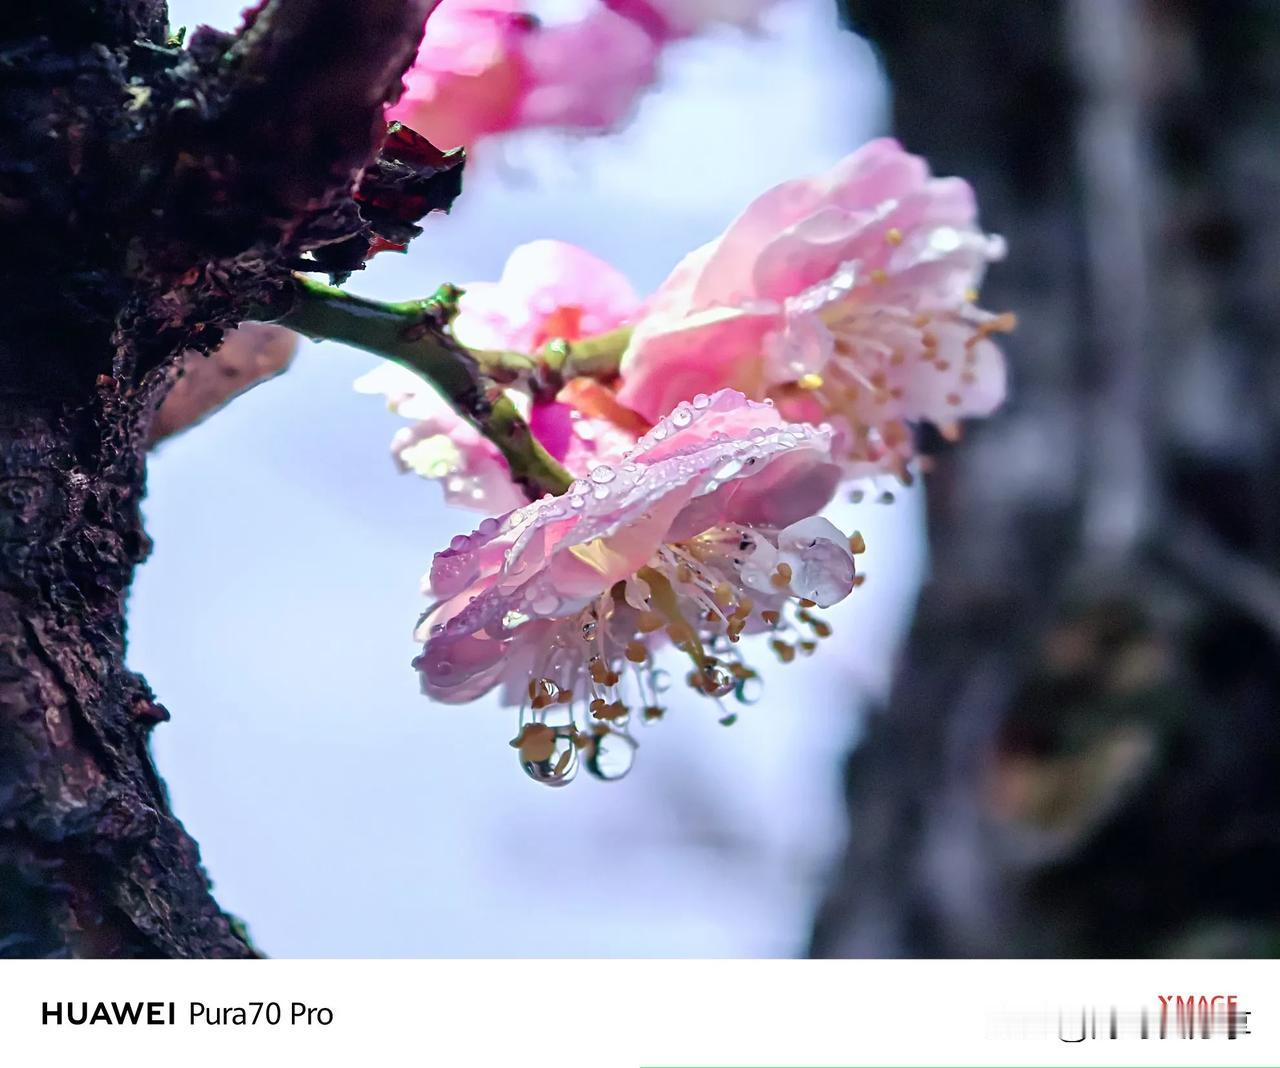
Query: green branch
x,y
412,334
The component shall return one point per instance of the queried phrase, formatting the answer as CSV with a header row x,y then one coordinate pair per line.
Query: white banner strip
x,y
641,1014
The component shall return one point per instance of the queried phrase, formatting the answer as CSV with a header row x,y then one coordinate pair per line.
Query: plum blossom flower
x,y
489,66
441,445
548,291
667,20
704,531
846,298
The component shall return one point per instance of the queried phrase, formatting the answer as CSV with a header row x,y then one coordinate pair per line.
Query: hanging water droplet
x,y
611,757
589,630
661,681
716,682
749,690
560,767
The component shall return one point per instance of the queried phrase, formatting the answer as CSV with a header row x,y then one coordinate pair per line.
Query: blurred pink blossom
x,y
489,66
846,297
704,531
548,290
673,19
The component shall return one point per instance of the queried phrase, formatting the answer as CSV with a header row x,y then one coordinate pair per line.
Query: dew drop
x,y
701,401
611,757
459,543
560,767
682,417
717,682
603,474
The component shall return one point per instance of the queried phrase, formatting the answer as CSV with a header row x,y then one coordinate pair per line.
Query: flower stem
x,y
412,334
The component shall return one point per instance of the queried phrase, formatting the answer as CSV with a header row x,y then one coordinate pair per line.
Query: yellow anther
x,y
536,742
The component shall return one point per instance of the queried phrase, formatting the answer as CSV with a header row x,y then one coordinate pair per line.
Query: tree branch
x,y
249,355
305,84
411,334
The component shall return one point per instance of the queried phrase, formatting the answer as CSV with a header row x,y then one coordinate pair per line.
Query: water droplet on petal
x,y
701,401
682,416
602,474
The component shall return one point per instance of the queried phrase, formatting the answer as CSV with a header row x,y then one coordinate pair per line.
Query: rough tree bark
x,y
150,197
1081,754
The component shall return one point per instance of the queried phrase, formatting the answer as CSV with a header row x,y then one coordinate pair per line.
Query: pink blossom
x,y
549,290
704,531
846,298
672,19
489,66
441,445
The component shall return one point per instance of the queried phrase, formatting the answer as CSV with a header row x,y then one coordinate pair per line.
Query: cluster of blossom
x,y
491,66
795,352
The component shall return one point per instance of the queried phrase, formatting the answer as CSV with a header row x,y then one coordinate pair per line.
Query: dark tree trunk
x,y
149,198
1081,754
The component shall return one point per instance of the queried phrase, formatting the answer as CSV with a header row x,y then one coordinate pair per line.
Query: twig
x,y
411,334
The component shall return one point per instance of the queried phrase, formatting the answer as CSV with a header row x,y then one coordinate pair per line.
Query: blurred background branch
x,y
1080,753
